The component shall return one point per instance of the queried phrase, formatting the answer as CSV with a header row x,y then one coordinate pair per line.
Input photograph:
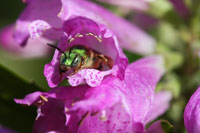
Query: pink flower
x,y
85,32
4,129
45,24
181,8
115,105
8,43
132,4
192,113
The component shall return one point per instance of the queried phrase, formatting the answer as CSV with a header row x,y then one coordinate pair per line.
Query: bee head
x,y
71,60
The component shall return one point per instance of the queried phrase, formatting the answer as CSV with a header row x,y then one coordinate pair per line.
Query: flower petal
x,y
37,28
181,8
141,78
161,104
192,113
135,95
29,99
130,36
101,97
33,12
114,119
136,91
132,4
145,21
4,129
31,51
51,71
93,77
52,117
77,79
53,107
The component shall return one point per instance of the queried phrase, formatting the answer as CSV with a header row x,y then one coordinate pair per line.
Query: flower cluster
x,y
115,97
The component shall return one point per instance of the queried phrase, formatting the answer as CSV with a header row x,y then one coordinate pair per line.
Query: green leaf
x,y
166,126
132,56
160,126
171,83
30,69
159,8
173,59
12,115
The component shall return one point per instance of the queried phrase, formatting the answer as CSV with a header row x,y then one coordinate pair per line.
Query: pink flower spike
x,y
37,28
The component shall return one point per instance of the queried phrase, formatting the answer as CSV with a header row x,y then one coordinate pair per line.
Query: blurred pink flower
x,y
8,43
181,8
132,4
113,106
50,22
4,129
192,113
145,21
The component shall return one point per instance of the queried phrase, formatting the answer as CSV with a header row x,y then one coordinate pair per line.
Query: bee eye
x,y
62,58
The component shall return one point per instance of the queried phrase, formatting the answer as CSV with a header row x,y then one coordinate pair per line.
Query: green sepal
x,y
166,126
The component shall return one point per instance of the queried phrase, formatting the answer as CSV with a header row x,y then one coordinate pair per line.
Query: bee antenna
x,y
53,46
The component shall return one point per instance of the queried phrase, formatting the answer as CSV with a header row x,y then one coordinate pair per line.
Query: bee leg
x,y
75,71
107,60
103,57
100,66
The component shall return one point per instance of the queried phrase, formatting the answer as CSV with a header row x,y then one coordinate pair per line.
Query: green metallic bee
x,y
79,57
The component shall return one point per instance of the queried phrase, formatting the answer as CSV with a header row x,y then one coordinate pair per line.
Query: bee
x,y
80,57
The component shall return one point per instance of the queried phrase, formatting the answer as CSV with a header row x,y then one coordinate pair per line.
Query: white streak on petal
x,y
77,79
92,77
37,28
